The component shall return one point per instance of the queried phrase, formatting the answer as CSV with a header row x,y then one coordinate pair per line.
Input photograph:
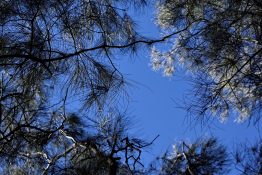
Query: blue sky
x,y
153,110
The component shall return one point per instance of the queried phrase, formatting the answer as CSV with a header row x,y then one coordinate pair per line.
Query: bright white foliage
x,y
235,75
162,61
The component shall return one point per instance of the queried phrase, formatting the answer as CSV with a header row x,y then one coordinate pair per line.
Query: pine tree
x,y
220,43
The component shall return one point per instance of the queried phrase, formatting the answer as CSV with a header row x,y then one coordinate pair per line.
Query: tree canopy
x,y
52,53
248,159
220,42
201,157
61,93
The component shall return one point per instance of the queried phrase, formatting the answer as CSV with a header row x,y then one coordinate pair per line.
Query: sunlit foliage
x,y
220,44
201,157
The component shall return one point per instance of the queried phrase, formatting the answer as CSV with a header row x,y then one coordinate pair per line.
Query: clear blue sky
x,y
152,108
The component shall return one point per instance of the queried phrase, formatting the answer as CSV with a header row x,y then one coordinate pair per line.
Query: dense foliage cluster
x,y
201,157
248,159
221,43
53,53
